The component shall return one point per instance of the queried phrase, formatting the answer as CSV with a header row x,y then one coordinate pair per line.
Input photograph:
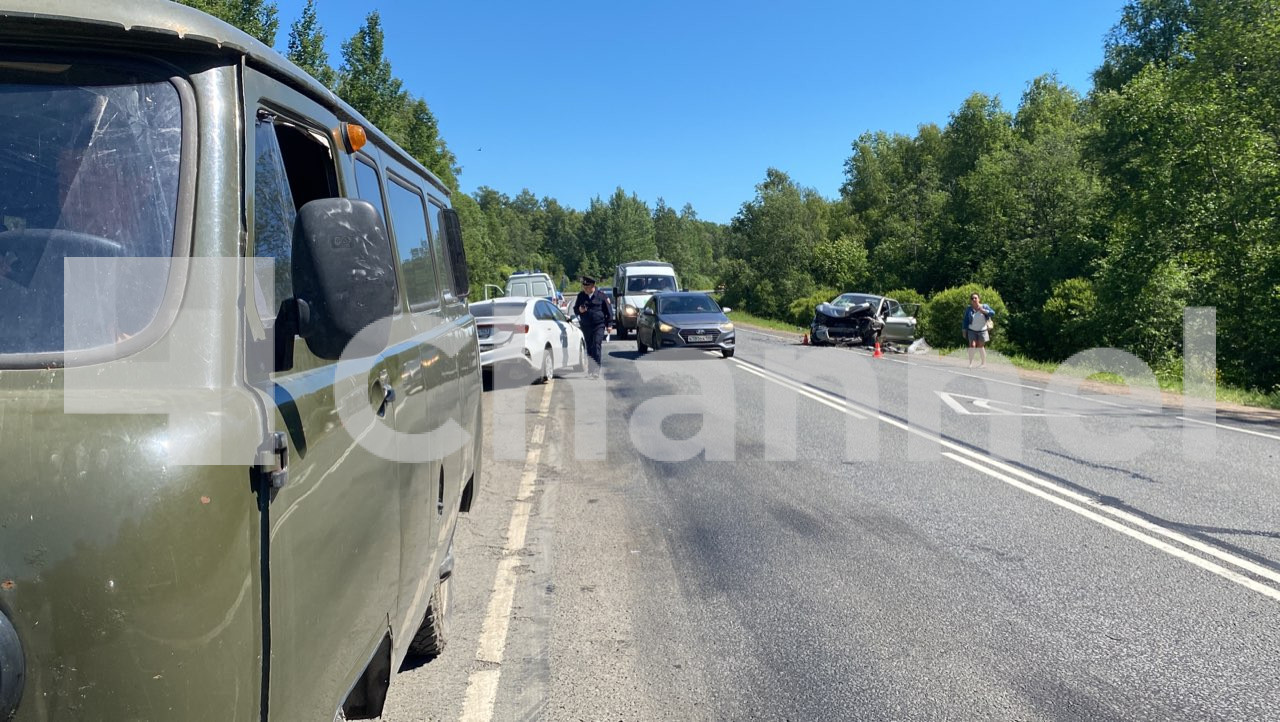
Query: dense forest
x,y
1094,219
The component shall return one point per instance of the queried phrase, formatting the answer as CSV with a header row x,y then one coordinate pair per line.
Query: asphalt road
x,y
812,534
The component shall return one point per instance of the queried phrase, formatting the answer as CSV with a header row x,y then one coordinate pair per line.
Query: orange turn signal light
x,y
353,137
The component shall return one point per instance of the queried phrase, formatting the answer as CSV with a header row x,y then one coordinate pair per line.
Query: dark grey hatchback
x,y
684,320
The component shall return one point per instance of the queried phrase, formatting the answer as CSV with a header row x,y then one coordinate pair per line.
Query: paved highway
x,y
812,534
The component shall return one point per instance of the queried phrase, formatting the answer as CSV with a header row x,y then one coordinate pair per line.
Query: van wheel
x,y
582,358
548,366
430,639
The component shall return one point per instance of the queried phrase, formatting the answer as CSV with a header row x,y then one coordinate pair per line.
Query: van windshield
x,y
88,169
650,284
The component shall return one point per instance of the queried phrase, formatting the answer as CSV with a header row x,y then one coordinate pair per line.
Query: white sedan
x,y
530,334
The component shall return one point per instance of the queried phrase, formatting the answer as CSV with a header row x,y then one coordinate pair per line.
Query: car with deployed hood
x,y
685,319
862,319
528,336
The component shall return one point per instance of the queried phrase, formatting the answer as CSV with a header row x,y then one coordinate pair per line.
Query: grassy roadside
x,y
1169,381
748,319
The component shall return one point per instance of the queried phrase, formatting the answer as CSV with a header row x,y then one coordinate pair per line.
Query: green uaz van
x,y
239,385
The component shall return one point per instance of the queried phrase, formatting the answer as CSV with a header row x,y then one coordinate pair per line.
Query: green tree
x,y
776,234
619,230
306,46
365,79
417,131
258,18
1188,148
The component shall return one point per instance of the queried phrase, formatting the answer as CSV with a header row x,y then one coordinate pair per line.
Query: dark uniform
x,y
595,314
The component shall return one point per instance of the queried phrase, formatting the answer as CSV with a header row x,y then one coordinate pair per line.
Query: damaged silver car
x,y
862,319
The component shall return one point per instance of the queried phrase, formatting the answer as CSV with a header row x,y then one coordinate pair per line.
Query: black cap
x,y
588,281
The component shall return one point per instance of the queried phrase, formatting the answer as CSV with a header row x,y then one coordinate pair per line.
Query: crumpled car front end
x,y
855,324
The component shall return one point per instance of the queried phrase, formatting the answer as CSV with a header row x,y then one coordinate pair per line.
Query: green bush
x,y
1069,319
800,311
945,314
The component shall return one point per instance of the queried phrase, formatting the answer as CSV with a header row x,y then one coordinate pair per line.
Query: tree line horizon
x,y
1095,219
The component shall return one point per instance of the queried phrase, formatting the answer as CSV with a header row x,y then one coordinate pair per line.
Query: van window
x,y
89,165
650,284
408,218
368,187
292,167
444,266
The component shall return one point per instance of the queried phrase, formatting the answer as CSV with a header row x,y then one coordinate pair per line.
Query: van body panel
x,y
130,575
137,581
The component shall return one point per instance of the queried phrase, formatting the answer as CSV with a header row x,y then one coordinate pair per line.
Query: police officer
x,y
595,314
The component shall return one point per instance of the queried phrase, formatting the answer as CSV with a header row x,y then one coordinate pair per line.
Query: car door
x,y
552,333
331,550
573,338
898,324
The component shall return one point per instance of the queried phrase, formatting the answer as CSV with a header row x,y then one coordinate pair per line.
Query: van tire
x,y
430,640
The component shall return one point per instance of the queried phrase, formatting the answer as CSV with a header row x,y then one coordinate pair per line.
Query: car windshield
x,y
497,308
650,284
88,169
687,304
855,299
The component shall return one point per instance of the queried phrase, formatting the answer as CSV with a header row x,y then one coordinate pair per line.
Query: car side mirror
x,y
726,309
647,311
344,278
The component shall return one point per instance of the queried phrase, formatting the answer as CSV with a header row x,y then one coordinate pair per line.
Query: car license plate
x,y
699,339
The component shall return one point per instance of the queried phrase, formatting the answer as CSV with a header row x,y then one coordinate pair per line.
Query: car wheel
x,y
623,332
431,637
727,352
871,338
640,344
582,358
548,368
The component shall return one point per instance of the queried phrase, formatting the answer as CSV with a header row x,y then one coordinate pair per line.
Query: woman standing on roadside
x,y
977,325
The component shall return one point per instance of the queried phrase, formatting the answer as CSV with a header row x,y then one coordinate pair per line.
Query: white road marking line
x,y
482,685
797,388
1117,526
1237,561
1231,428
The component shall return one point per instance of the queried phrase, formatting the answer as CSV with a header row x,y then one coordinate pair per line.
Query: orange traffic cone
x,y
877,354
805,341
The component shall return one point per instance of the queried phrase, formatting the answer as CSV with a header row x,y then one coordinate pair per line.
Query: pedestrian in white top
x,y
977,326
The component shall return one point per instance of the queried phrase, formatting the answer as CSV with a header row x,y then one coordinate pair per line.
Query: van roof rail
x,y
645,263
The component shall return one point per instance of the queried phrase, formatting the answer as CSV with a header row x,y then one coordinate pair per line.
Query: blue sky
x,y
693,101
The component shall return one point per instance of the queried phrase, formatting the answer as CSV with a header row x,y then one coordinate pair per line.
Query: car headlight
x,y
727,326
665,327
630,310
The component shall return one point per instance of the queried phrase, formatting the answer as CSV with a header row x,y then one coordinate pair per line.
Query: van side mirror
x,y
344,276
457,253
